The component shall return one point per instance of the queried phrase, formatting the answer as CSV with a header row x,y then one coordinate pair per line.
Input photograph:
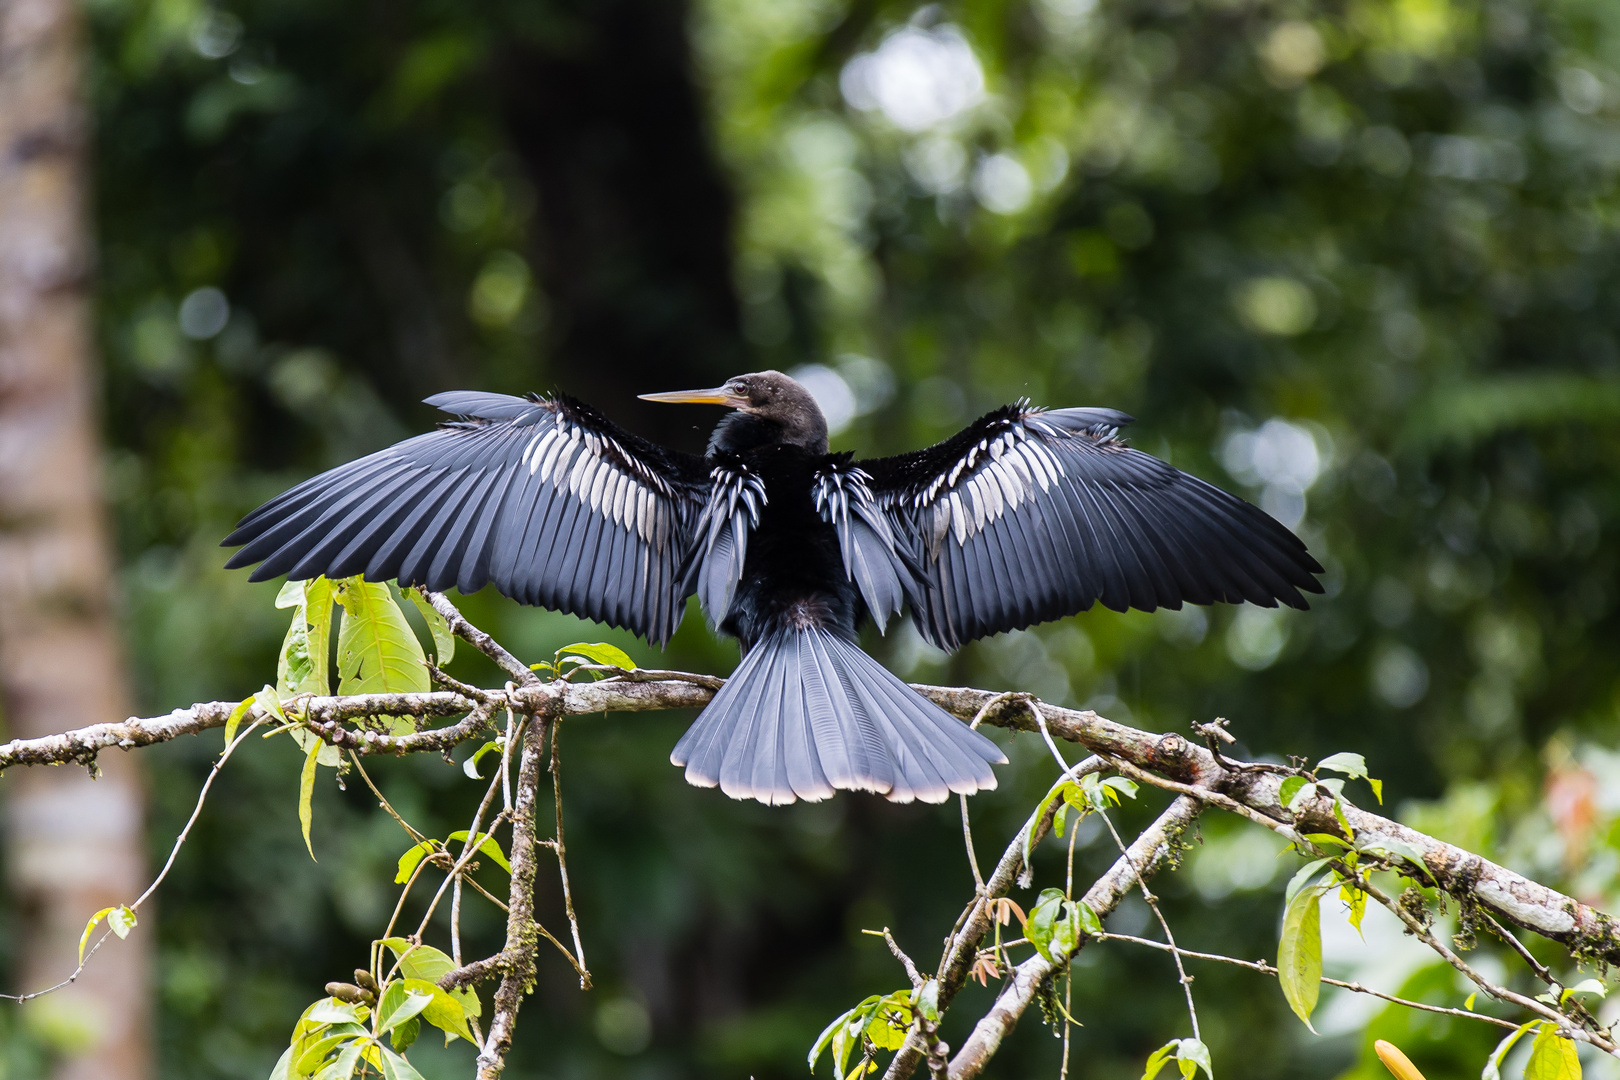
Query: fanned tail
x,y
808,713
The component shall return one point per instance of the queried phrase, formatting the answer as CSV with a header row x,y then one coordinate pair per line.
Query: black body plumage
x,y
1024,516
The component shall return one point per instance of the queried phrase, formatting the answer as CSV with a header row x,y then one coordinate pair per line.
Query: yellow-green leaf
x,y
426,962
600,652
301,667
1552,1057
306,794
233,721
488,845
444,642
408,861
122,920
377,652
446,1012
1299,954
89,927
1493,1064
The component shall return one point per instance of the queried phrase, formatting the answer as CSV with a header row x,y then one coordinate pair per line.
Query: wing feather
x,y
544,498
1028,515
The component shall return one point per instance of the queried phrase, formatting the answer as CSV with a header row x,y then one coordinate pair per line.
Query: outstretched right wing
x,y
543,498
1028,515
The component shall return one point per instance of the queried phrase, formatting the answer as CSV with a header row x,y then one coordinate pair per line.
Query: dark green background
x,y
1403,243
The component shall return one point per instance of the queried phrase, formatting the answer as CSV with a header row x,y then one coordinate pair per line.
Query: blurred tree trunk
x,y
634,239
74,845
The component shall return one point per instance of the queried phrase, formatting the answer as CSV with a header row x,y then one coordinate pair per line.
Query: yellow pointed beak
x,y
718,396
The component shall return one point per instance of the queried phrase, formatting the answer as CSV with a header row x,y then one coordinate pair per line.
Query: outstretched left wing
x,y
544,498
1029,515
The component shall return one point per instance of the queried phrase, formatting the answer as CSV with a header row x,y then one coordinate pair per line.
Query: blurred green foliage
x,y
1356,259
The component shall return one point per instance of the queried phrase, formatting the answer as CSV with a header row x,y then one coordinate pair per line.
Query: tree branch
x,y
1144,856
522,939
1168,761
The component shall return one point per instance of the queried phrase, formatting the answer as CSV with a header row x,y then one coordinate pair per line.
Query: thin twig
x,y
973,859
1501,993
1266,969
179,842
382,802
561,850
1153,903
478,639
519,949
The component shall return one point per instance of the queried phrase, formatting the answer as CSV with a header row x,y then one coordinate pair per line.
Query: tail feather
x,y
807,713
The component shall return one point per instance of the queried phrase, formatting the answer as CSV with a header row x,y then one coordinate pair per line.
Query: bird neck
x,y
740,432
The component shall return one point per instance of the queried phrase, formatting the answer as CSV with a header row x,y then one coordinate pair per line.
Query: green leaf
x,y
316,1053
444,642
1290,787
306,795
1493,1064
429,964
345,1065
269,699
600,652
1552,1057
233,721
405,1034
1357,900
283,1063
489,846
1377,789
1193,1054
1469,1004
414,855
1059,791
1327,838
1351,765
122,920
1122,785
332,1011
1043,921
825,1039
1302,794
377,652
1339,816
1087,918
1303,877
399,1003
89,928
396,1067
1299,954
926,1001
1588,986
325,753
447,1012
1158,1058
301,667
470,766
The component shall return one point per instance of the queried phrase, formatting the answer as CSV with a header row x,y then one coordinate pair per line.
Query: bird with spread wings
x,y
1025,516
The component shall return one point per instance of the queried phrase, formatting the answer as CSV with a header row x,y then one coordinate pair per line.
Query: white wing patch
x,y
996,476
600,473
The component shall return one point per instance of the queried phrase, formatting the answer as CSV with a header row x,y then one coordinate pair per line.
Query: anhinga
x,y
1025,515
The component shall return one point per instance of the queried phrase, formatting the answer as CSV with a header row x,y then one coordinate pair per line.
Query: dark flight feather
x,y
544,498
1028,515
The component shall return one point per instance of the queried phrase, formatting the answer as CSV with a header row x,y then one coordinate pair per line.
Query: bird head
x,y
769,396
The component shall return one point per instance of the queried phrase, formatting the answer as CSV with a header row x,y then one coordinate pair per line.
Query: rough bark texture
x,y
521,934
74,845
